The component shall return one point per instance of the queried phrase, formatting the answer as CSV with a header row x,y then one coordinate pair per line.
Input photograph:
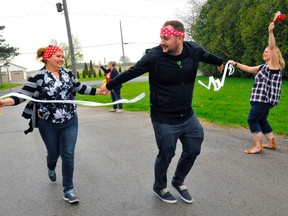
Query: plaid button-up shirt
x,y
267,86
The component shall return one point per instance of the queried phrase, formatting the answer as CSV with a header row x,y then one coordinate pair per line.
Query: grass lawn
x,y
227,107
7,85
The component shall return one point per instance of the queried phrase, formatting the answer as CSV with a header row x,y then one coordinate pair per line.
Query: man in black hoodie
x,y
172,68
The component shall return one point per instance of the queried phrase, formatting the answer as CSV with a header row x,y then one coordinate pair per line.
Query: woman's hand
x,y
220,68
271,27
6,102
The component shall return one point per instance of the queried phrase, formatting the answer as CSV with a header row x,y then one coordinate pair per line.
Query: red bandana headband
x,y
49,51
170,32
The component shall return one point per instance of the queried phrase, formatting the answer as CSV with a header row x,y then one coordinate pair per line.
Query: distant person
x,y
111,73
57,122
172,68
265,93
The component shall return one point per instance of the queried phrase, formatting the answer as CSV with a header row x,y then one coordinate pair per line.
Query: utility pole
x,y
60,9
123,55
7,66
1,82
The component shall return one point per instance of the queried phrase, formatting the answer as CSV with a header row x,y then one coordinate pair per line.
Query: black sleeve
x,y
204,55
105,70
211,58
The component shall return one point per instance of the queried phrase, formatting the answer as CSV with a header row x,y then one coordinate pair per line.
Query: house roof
x,y
14,67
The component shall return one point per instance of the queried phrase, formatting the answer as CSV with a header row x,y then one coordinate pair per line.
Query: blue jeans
x,y
60,140
257,118
115,95
191,135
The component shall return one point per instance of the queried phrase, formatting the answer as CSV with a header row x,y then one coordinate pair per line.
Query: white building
x,y
13,73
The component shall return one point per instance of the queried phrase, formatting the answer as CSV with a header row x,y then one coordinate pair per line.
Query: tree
x,y
7,53
124,59
190,15
91,70
77,51
237,29
85,71
218,32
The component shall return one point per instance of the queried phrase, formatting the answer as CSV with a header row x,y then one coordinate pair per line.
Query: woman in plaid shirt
x,y
265,93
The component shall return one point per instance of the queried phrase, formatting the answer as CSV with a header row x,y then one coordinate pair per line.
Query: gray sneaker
x,y
183,191
52,175
71,197
165,195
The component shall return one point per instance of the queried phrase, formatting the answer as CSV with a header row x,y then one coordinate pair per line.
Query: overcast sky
x,y
31,24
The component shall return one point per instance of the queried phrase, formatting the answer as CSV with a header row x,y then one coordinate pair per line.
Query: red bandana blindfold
x,y
170,32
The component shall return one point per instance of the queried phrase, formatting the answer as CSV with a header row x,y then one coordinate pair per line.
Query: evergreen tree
x,y
6,52
85,71
100,72
91,69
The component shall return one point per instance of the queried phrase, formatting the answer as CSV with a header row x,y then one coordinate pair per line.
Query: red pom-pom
x,y
279,17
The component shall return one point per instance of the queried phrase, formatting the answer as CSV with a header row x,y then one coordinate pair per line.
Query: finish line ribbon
x,y
217,83
80,102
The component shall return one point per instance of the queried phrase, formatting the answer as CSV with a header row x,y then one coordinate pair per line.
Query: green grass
x,y
227,107
92,79
230,105
7,86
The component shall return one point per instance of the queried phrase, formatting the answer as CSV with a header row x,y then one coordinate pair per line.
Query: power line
x,y
117,15
83,14
101,45
26,15
40,33
52,5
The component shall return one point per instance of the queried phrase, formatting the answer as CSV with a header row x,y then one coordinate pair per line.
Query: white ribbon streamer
x,y
85,103
217,83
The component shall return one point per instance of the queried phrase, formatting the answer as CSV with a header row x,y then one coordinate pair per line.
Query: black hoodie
x,y
171,80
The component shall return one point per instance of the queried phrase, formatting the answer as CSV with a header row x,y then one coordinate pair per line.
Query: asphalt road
x,y
114,161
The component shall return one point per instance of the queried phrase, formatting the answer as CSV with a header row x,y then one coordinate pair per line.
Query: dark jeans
x,y
191,135
60,140
115,95
257,118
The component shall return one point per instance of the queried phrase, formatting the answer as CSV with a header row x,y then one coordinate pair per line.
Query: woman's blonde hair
x,y
113,63
281,59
